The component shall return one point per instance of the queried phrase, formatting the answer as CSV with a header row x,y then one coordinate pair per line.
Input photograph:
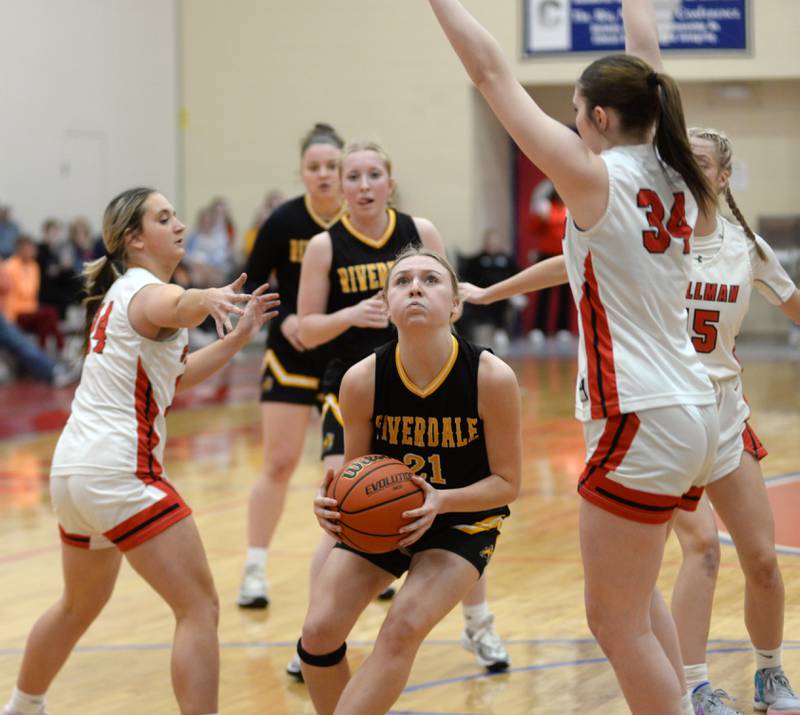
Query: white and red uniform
x,y
646,401
107,477
725,269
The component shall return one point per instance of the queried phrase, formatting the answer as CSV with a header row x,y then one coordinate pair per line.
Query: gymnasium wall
x,y
89,96
257,74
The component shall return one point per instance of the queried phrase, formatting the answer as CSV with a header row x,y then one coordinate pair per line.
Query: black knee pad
x,y
321,661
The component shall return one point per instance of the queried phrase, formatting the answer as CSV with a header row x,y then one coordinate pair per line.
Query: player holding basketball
x,y
340,305
429,374
108,484
631,185
729,260
290,383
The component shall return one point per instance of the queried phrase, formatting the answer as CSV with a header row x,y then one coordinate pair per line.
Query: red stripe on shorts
x,y
150,521
147,439
595,486
602,375
77,540
752,444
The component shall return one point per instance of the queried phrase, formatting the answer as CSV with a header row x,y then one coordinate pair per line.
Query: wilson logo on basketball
x,y
355,467
394,481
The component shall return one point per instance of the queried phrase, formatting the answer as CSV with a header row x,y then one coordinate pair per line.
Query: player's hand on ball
x,y
325,508
423,516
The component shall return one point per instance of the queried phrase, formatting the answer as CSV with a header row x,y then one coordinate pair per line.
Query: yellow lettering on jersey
x,y
383,270
447,432
361,274
460,440
372,275
419,431
394,427
378,422
408,421
297,249
416,462
344,280
472,428
433,432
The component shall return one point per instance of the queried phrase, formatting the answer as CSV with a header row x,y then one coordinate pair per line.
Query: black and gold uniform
x,y
438,433
289,375
359,265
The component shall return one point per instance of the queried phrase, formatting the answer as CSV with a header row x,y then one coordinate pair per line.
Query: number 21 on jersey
x,y
98,330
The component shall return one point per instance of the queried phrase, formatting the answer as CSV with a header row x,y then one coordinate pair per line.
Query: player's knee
x,y
401,634
321,635
705,547
762,570
279,467
327,659
81,612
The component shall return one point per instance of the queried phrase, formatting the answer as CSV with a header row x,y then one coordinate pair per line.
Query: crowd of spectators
x,y
41,318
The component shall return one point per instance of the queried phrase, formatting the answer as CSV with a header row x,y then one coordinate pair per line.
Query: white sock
x,y
686,704
695,675
475,615
256,557
25,704
768,658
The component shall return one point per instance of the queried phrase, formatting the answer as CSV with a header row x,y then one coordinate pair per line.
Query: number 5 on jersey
x,y
98,330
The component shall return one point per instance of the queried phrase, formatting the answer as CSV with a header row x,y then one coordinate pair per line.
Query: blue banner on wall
x,y
596,25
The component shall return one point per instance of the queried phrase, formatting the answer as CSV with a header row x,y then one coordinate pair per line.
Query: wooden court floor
x,y
121,665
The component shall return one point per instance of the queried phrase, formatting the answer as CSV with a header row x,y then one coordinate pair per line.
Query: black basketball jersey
x,y
358,270
279,247
437,430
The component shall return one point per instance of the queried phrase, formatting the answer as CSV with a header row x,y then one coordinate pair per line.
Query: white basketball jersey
x,y
628,274
117,422
719,293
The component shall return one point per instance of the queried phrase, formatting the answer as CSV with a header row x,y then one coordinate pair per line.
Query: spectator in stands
x,y
208,251
12,340
271,201
81,244
9,232
492,264
554,309
60,285
21,304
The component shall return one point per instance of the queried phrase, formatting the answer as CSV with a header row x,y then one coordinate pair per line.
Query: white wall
x,y
89,99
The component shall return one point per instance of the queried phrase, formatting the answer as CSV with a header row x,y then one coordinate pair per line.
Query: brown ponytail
x,y
122,216
672,142
723,152
644,99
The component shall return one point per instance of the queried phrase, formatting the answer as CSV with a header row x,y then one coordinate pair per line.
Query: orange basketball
x,y
372,493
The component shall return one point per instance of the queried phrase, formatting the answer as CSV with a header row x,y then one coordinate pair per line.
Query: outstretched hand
x,y
221,304
260,309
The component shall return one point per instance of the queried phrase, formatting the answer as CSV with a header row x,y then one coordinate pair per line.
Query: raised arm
x,y
641,32
156,307
554,148
544,274
203,363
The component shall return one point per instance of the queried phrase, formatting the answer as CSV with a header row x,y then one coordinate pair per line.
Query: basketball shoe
x,y
774,694
706,701
487,646
293,668
7,711
253,591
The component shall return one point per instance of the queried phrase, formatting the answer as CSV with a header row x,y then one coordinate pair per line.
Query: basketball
x,y
372,493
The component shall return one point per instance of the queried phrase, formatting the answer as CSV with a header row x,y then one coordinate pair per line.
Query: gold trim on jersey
x,y
331,403
372,242
321,222
285,378
434,385
487,524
